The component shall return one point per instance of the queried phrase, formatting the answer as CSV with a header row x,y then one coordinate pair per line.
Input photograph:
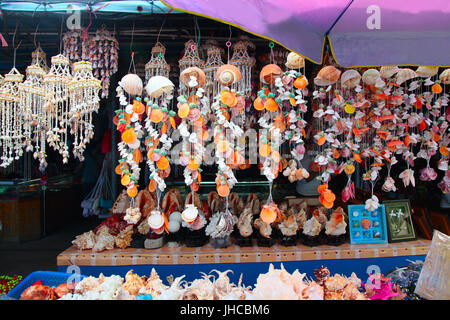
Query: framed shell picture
x,y
399,221
367,227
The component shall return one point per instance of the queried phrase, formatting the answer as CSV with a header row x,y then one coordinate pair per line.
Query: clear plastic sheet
x,y
434,279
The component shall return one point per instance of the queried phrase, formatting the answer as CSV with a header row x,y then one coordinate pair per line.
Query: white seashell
x,y
350,79
175,216
228,74
158,85
426,72
132,84
174,226
445,76
190,213
294,61
370,77
155,220
405,75
387,72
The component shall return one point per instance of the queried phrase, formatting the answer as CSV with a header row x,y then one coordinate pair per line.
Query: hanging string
x,y
228,44
35,33
60,36
132,52
14,46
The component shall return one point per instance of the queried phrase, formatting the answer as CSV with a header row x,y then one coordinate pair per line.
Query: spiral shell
x,y
426,72
132,84
294,61
445,76
405,75
158,85
327,75
198,73
387,72
370,77
228,74
350,79
269,73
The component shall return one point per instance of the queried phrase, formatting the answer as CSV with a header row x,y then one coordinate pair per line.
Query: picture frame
x,y
367,227
399,219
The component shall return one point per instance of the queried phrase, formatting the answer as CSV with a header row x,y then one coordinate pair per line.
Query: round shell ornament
x,y
132,84
190,213
158,85
196,72
387,72
405,75
370,77
269,73
445,76
295,61
426,72
350,79
228,74
155,220
327,76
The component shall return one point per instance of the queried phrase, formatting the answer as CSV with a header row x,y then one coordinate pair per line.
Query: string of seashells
x,y
56,83
32,100
11,118
84,101
213,62
190,59
244,63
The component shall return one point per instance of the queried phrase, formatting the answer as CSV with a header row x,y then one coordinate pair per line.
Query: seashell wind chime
x,y
244,63
157,66
39,57
84,101
190,59
213,62
32,100
56,83
11,118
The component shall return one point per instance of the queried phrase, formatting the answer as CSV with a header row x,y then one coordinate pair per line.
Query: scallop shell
x,y
228,74
387,72
294,61
269,73
158,85
327,75
426,72
370,77
405,75
190,213
185,76
132,84
350,79
445,76
155,220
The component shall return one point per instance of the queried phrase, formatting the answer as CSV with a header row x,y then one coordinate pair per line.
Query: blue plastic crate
x,y
48,278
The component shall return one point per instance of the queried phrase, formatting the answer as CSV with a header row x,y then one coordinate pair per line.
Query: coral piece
x,y
124,238
85,241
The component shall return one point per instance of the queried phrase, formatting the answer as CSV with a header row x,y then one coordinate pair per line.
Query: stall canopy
x,y
359,32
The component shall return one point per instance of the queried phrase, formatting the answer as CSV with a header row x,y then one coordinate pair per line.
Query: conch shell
x,y
387,72
445,76
228,74
350,79
145,202
198,73
244,223
264,228
121,204
289,226
197,202
133,282
426,72
327,75
294,61
124,238
405,75
269,73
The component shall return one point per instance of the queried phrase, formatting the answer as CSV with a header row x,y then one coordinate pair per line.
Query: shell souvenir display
x,y
294,61
427,72
213,62
157,66
244,63
190,59
132,84
327,76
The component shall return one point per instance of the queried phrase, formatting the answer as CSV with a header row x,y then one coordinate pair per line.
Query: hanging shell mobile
x,y
191,58
39,57
57,104
213,62
242,60
157,66
84,101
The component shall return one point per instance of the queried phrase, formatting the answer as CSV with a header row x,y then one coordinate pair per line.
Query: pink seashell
x,y
184,161
198,223
155,156
194,114
345,152
300,149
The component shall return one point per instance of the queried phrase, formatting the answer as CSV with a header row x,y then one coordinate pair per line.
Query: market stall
x,y
223,149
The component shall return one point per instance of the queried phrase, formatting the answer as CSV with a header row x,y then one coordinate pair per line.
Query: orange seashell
x,y
192,165
407,141
327,75
129,136
276,157
138,107
172,122
156,115
152,185
183,110
228,98
365,223
269,73
422,125
336,154
125,180
137,156
327,204
300,82
280,125
443,150
264,150
223,190
132,192
198,73
257,104
162,163
321,140
271,105
118,169
194,186
164,128
322,188
329,196
436,88
268,214
292,101
192,99
436,137
357,157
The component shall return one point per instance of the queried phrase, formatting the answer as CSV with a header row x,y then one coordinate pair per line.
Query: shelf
x,y
234,254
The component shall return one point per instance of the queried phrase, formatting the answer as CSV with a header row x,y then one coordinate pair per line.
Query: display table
x,y
250,261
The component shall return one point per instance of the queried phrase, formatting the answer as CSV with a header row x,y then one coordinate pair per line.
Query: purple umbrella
x,y
360,32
